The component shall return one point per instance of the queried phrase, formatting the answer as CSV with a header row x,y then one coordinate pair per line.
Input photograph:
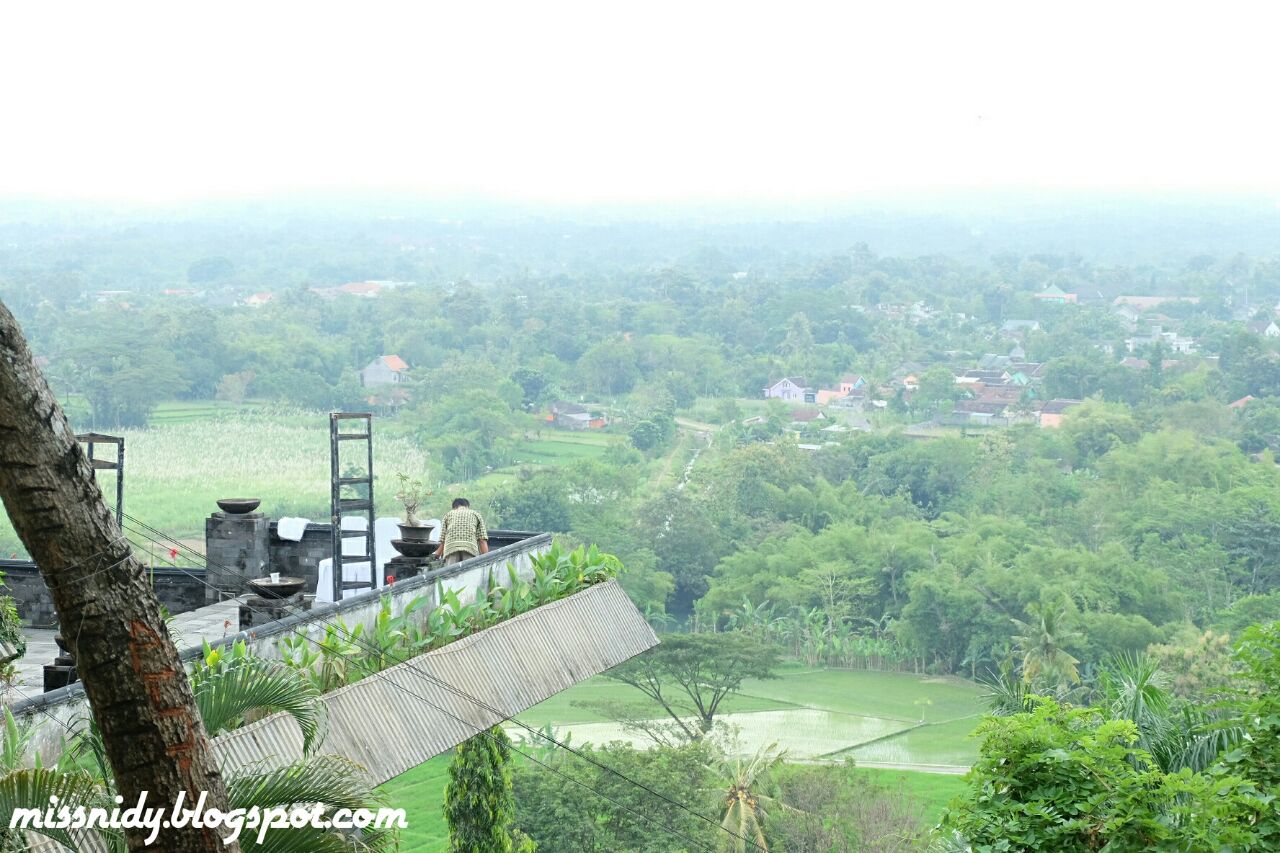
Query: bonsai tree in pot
x,y
411,495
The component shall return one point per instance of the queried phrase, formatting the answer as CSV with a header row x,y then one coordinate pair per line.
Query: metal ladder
x,y
342,506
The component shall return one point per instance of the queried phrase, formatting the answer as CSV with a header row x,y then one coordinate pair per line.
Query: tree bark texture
x,y
108,613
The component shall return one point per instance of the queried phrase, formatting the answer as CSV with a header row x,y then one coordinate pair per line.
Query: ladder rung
x,y
356,585
354,481
356,558
344,416
355,534
104,465
352,436
353,504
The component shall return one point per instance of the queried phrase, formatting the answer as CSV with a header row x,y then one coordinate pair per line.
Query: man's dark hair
x,y
457,502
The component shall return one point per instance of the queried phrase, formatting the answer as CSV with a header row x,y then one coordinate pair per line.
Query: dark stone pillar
x,y
235,549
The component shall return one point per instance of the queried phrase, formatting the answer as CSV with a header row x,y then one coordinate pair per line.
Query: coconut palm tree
x,y
1041,644
1133,688
744,812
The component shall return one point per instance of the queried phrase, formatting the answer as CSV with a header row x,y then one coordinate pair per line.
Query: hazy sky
x,y
634,101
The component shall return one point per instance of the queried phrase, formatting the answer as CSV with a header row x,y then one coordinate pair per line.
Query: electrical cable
x,y
502,715
462,694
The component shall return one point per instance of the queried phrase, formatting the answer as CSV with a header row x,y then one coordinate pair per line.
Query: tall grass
x,y
174,473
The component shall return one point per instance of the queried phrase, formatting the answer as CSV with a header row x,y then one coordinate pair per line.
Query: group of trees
x,y
688,325
1136,767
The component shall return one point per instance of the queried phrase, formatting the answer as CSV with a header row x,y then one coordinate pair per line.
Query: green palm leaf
x,y
328,779
31,789
247,685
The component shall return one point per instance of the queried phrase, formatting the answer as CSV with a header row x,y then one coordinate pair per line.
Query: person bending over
x,y
462,533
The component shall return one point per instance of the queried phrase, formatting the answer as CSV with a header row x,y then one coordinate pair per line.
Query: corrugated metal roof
x,y
403,716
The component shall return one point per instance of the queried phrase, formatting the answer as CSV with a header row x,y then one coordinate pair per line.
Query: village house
x,y
802,417
573,416
1050,416
1242,402
792,388
1142,364
983,377
1157,334
362,289
1019,328
384,370
1128,314
257,300
1267,328
848,385
1148,303
1055,295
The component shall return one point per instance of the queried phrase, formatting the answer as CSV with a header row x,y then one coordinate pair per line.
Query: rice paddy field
x,y
876,717
816,714
196,452
175,470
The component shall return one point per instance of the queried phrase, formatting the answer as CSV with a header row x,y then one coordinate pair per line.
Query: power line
x,y
463,694
674,832
481,703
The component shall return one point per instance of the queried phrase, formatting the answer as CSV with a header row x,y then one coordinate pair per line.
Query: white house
x,y
1267,328
384,370
791,388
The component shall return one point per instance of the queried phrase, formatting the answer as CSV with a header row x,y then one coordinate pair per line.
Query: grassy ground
x,y
196,452
930,791
175,472
420,792
881,717
547,448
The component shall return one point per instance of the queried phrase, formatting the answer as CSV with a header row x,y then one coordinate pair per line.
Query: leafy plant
x,y
411,494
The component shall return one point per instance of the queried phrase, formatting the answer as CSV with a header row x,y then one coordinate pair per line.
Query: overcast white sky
x,y
601,101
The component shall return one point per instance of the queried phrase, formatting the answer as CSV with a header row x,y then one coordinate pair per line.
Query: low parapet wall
x,y
179,589
58,712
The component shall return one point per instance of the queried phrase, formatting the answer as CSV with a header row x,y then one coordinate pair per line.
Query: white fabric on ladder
x,y
384,530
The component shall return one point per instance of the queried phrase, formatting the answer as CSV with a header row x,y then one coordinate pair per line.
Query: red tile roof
x,y
395,362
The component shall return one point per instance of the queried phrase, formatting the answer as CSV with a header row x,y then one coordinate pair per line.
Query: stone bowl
x,y
238,506
415,532
414,547
283,588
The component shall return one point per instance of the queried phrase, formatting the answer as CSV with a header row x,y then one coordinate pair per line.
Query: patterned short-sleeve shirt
x,y
461,530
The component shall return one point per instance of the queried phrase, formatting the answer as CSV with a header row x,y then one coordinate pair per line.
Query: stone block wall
x,y
301,559
236,547
179,590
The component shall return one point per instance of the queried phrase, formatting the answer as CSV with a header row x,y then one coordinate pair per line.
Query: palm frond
x,y
247,685
32,789
328,779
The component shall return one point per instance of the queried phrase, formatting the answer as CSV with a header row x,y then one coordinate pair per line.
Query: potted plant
x,y
411,495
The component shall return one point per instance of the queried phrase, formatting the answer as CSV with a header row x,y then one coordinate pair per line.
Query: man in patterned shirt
x,y
462,533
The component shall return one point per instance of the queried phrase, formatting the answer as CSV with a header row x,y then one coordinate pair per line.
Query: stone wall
x,y
301,559
236,547
55,711
179,590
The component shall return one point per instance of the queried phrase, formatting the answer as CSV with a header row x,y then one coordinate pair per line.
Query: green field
x,y
880,717
548,448
197,452
420,792
825,707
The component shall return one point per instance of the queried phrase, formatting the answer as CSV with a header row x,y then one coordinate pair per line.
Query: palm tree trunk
x,y
134,680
